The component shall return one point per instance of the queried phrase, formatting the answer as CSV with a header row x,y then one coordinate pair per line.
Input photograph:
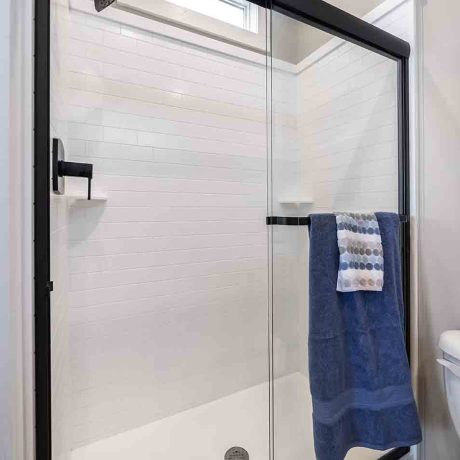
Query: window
x,y
239,13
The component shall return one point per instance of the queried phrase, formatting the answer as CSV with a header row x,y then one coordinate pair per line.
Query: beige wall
x,y
293,40
440,219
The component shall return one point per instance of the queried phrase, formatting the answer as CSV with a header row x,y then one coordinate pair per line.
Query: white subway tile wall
x,y
348,125
168,277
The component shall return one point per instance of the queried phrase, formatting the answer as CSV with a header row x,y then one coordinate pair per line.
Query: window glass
x,y
239,13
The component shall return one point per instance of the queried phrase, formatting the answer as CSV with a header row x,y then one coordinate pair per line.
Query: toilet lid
x,y
450,343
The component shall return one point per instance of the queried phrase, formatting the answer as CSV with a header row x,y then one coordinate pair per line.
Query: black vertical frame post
x,y
42,265
404,189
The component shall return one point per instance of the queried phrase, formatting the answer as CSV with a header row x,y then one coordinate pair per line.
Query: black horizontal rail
x,y
322,15
277,220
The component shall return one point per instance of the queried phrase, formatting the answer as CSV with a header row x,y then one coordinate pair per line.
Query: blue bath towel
x,y
359,371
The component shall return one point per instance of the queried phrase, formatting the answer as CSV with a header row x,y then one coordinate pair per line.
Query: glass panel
x,y
334,148
159,314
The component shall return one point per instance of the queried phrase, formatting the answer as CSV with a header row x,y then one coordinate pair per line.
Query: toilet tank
x,y
449,343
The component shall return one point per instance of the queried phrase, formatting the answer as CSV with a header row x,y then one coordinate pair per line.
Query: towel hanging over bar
x,y
277,220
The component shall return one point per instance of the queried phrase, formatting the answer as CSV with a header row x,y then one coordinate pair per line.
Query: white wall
x,y
6,332
439,219
16,334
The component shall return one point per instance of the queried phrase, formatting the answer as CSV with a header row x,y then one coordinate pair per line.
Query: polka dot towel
x,y
361,253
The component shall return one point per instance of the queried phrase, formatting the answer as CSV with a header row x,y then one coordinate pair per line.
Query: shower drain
x,y
236,453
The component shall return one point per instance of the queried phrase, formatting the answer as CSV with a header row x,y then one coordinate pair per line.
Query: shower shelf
x,y
96,198
296,201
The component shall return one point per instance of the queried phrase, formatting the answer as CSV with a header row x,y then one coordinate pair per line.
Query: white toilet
x,y
450,346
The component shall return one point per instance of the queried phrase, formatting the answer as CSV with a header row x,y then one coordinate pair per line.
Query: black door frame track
x,y
316,13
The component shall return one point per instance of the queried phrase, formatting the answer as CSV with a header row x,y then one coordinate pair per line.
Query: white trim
x,y
19,162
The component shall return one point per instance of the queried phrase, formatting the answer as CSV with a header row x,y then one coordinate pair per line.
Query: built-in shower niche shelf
x,y
82,199
293,201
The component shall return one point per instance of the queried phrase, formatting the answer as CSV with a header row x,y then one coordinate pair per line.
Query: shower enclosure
x,y
172,306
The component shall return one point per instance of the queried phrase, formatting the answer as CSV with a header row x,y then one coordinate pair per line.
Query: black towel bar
x,y
276,220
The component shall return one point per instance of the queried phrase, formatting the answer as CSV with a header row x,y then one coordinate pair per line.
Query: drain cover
x,y
236,453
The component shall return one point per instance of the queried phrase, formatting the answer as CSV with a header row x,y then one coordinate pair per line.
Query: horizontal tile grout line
x,y
89,76
317,95
218,288
165,280
110,383
324,132
179,107
131,98
177,44
353,149
212,180
350,178
168,92
166,207
262,234
178,264
167,192
169,178
354,136
241,108
153,161
155,60
348,122
121,303
363,162
124,254
95,322
191,123
159,266
350,63
151,312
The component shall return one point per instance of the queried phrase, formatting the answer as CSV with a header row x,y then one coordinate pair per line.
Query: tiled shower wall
x,y
168,276
348,122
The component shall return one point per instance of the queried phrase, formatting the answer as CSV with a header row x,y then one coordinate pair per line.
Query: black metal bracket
x,y
62,168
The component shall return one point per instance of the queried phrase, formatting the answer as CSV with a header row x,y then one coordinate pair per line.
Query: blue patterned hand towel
x,y
361,254
359,373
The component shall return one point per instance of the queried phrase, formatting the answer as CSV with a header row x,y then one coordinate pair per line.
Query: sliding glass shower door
x,y
334,147
159,316
178,323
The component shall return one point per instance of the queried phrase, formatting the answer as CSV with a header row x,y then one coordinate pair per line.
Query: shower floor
x,y
207,431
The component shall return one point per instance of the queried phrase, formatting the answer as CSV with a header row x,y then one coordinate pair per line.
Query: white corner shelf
x,y
96,198
296,201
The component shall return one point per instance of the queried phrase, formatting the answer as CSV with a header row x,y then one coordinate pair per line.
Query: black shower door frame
x,y
316,13
330,19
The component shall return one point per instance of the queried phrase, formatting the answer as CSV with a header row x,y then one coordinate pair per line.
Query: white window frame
x,y
249,10
190,20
